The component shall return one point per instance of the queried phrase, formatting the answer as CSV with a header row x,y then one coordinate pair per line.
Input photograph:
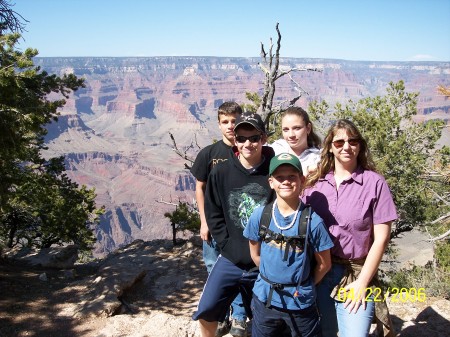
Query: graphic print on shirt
x,y
243,201
216,161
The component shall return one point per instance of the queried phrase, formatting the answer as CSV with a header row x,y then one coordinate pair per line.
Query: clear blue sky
x,y
375,30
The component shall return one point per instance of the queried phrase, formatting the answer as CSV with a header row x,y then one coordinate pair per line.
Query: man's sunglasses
x,y
252,139
340,142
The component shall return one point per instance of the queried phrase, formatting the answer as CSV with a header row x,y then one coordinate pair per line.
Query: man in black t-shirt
x,y
206,159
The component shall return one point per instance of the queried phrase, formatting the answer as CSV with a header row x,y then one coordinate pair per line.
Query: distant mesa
x,y
115,132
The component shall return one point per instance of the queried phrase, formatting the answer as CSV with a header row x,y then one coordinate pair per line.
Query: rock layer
x,y
115,132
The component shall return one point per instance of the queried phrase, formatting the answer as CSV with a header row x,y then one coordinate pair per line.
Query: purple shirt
x,y
362,200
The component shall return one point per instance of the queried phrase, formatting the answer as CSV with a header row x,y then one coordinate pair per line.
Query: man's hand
x,y
204,232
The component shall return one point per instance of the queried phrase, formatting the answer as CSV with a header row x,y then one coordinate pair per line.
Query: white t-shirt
x,y
309,158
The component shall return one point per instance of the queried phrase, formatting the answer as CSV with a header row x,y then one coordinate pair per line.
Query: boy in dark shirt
x,y
206,159
234,189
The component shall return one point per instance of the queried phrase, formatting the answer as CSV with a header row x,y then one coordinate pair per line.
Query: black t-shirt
x,y
208,157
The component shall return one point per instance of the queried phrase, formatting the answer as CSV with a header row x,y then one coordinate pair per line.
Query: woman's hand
x,y
355,296
356,291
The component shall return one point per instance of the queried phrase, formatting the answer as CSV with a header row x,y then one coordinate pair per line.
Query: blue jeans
x,y
334,316
224,282
210,254
270,322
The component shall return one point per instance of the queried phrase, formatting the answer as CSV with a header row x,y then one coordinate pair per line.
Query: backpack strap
x,y
274,286
267,235
305,223
303,231
266,217
264,222
302,228
307,226
304,218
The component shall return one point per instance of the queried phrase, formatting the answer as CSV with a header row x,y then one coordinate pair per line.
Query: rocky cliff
x,y
115,132
149,289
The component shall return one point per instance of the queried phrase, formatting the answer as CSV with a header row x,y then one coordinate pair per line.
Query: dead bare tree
x,y
191,206
270,65
10,19
184,154
185,217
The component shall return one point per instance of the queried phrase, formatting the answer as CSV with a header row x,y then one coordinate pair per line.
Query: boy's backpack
x,y
291,241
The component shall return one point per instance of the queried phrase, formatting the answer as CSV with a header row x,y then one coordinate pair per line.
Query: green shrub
x,y
435,280
442,256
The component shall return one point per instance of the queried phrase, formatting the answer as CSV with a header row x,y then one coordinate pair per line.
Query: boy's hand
x,y
204,232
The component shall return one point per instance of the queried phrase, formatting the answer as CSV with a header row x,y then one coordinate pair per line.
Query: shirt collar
x,y
356,176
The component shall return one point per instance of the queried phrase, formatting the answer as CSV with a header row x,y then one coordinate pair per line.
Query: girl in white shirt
x,y
299,138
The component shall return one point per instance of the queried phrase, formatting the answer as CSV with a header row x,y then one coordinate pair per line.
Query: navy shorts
x,y
224,282
271,322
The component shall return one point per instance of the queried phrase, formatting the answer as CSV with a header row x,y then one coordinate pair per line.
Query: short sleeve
x,y
200,167
384,209
251,231
321,239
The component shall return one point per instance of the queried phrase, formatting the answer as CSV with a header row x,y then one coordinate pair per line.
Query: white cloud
x,y
422,57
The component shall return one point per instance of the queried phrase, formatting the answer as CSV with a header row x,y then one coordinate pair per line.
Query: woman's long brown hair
x,y
327,158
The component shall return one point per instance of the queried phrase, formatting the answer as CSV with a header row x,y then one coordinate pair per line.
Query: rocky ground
x,y
146,289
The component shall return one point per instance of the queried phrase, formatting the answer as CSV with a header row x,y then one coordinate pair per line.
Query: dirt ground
x,y
156,306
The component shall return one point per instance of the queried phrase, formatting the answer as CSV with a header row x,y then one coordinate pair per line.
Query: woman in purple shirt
x,y
357,207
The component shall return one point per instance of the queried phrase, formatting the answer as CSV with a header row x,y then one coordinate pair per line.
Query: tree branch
x,y
192,207
290,70
445,216
440,237
263,52
439,197
184,154
165,202
9,19
270,65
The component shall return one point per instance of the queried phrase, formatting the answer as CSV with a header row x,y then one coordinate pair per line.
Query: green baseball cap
x,y
284,158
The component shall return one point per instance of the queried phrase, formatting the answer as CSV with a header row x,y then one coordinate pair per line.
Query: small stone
x,y
43,277
69,274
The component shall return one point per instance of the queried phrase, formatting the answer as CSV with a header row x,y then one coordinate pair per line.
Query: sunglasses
x,y
252,139
340,142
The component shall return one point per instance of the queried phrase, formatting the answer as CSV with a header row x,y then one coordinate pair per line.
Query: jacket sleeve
x,y
214,210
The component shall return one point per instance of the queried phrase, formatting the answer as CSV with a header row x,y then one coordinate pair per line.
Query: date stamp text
x,y
374,294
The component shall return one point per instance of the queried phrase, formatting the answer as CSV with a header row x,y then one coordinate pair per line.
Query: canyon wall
x,y
114,133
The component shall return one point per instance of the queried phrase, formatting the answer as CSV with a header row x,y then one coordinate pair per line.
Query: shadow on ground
x,y
428,323
140,277
30,306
